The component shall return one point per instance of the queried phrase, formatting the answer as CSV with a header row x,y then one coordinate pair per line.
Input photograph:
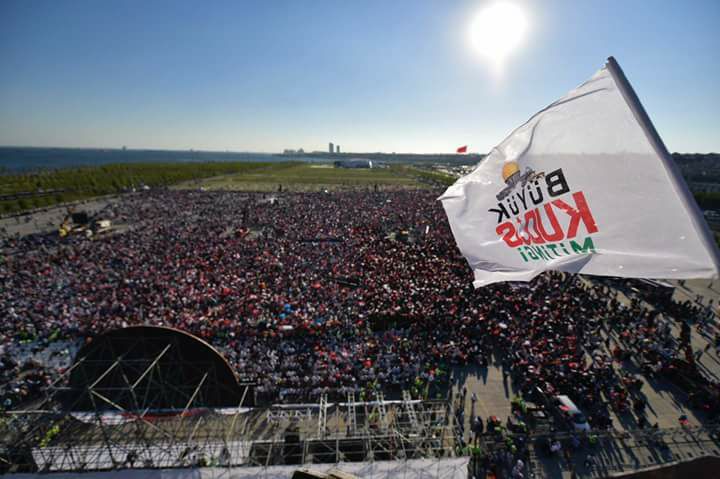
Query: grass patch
x,y
306,176
432,177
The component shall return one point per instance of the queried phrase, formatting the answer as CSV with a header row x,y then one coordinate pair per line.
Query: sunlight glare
x,y
497,31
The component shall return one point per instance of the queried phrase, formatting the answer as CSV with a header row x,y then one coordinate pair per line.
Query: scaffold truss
x,y
51,439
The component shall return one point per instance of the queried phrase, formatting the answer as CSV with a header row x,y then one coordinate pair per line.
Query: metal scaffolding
x,y
52,438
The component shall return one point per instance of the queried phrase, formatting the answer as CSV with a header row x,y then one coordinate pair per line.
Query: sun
x,y
498,30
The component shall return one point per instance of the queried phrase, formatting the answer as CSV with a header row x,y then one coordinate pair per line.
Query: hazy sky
x,y
370,75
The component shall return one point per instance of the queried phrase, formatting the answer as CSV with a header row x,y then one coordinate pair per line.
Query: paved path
x,y
628,452
492,391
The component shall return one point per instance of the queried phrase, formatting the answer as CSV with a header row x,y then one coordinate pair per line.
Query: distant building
x,y
330,148
354,163
337,148
293,152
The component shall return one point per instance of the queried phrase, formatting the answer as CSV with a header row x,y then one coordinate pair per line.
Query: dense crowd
x,y
310,294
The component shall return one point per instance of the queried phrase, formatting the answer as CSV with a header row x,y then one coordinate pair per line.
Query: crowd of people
x,y
309,294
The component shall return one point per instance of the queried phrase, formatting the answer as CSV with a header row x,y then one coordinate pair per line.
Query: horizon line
x,y
280,153
246,152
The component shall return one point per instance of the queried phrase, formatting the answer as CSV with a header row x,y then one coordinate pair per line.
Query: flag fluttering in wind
x,y
585,186
462,149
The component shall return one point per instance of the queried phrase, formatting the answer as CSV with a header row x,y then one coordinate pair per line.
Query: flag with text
x,y
584,186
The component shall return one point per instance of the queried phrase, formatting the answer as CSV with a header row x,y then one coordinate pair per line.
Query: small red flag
x,y
462,149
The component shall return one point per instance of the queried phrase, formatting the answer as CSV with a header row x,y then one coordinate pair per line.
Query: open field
x,y
314,177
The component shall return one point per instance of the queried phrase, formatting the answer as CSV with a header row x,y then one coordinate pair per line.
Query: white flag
x,y
585,186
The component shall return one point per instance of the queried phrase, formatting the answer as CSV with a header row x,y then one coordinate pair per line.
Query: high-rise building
x,y
330,147
337,148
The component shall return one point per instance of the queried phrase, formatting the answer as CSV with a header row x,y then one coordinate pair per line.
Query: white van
x,y
570,411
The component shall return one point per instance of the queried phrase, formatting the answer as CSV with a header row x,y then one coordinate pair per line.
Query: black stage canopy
x,y
150,368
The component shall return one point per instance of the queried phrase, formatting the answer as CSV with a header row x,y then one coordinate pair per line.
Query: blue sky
x,y
370,75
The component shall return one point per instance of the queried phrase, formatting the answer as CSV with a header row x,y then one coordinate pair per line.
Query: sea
x,y
26,159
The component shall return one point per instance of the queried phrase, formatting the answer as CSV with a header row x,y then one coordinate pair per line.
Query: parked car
x,y
571,413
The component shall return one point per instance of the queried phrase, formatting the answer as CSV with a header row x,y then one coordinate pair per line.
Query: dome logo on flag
x,y
512,177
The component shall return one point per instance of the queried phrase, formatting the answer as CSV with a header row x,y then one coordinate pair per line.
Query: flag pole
x,y
671,167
